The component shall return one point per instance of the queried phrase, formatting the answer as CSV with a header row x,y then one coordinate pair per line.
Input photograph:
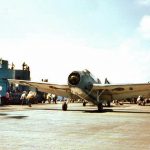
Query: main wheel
x,y
108,103
64,106
100,107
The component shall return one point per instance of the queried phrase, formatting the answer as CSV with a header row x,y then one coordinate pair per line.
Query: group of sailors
x,y
24,66
27,97
141,100
18,97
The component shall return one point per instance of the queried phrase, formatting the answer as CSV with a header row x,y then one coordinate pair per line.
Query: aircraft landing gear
x,y
100,107
64,106
84,103
108,103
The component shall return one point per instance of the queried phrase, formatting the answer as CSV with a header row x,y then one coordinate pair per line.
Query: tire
x,y
64,106
108,103
100,107
84,103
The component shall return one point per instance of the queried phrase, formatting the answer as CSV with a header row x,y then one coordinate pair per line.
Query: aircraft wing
x,y
122,88
62,90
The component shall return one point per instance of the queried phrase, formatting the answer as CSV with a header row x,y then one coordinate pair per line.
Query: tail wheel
x,y
84,103
64,106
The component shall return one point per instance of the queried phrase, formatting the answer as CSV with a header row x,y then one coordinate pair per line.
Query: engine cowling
x,y
74,78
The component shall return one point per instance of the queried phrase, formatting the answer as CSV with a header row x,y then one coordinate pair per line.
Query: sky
x,y
110,38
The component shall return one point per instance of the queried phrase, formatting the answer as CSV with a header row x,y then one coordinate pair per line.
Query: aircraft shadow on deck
x,y
3,114
117,111
131,111
16,117
96,111
6,116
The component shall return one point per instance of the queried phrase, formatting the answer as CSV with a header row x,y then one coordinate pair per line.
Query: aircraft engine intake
x,y
74,78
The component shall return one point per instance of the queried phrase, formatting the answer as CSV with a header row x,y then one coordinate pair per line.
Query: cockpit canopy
x,y
90,74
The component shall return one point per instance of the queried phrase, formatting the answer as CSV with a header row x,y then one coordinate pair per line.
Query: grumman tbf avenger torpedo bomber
x,y
83,85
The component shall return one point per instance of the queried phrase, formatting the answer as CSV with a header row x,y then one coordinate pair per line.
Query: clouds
x,y
144,27
135,54
144,2
144,22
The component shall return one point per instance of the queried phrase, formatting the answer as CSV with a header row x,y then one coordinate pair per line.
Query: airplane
x,y
82,84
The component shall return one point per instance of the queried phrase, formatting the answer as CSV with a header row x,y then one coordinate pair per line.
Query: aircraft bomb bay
x,y
46,126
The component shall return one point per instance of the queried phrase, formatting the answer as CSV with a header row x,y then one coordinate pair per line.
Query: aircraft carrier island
x,y
8,71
